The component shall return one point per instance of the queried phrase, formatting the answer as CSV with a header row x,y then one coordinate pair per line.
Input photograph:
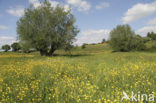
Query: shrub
x,y
146,39
83,46
25,48
151,46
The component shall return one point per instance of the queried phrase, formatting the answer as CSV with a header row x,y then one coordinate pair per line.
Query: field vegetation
x,y
91,75
45,67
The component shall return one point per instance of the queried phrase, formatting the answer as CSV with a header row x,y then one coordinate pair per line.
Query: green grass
x,y
94,74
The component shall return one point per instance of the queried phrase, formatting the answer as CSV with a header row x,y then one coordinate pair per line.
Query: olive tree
x,y
47,28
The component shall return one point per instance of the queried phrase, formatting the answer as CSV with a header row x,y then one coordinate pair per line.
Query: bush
x,y
15,47
146,39
6,47
25,48
83,46
151,46
121,38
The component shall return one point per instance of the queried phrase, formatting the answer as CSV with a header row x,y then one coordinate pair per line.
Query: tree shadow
x,y
120,51
71,55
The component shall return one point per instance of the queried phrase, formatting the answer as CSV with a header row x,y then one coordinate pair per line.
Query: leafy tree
x,y
6,47
138,43
146,39
46,28
121,38
68,47
151,35
103,40
83,46
26,48
15,47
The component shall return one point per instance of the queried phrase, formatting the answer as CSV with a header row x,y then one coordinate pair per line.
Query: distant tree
x,y
83,46
25,48
151,35
103,40
146,39
46,28
15,47
121,38
6,47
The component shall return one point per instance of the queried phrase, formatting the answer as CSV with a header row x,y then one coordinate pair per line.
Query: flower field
x,y
100,77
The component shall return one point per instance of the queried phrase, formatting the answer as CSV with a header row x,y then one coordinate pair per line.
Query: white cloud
x,y
139,11
3,27
16,11
6,40
144,30
93,36
82,5
102,5
152,22
67,7
53,3
35,3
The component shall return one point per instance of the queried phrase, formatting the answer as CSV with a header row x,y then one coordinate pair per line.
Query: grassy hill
x,y
90,75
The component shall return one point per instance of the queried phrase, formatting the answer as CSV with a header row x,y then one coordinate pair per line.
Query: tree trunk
x,y
43,52
51,51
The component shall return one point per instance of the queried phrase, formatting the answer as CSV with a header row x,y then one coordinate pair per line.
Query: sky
x,y
94,18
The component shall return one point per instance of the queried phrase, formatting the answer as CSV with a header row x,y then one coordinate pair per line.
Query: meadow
x,y
91,75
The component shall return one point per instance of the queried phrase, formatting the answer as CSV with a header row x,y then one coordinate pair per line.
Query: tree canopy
x,y
151,35
121,38
15,47
46,28
6,47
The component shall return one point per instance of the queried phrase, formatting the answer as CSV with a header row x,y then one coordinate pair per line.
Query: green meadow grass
x,y
91,75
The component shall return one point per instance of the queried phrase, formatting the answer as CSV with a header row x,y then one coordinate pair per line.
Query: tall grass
x,y
92,75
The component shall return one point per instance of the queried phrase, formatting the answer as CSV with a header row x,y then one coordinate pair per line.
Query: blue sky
x,y
95,18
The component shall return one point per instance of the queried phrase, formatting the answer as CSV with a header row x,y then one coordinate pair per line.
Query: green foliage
x,y
25,48
15,47
68,47
46,28
151,35
121,38
103,40
83,46
146,39
151,46
6,47
138,43
98,76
